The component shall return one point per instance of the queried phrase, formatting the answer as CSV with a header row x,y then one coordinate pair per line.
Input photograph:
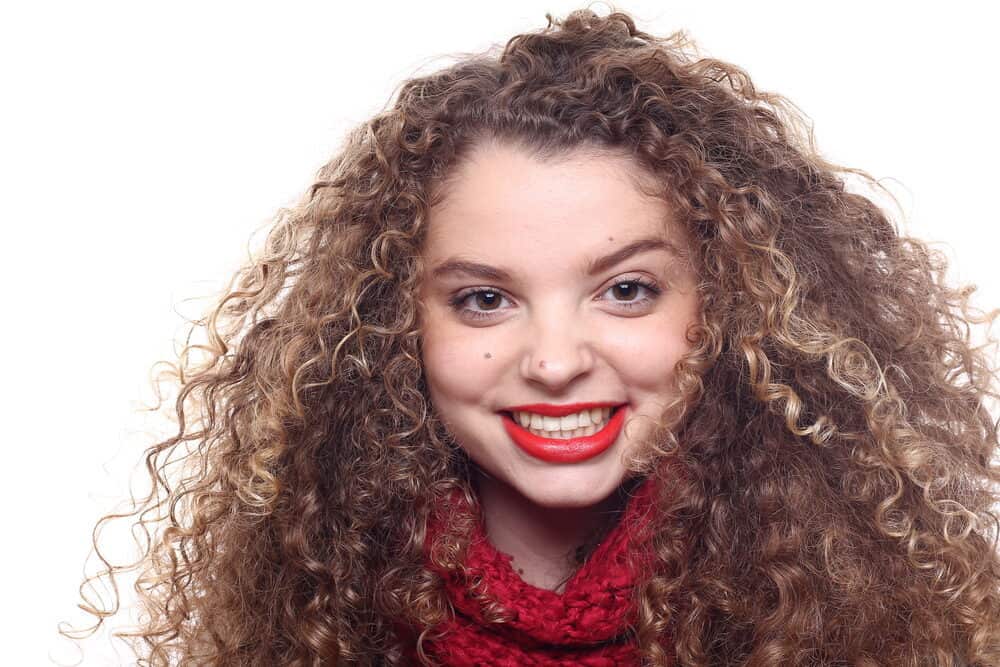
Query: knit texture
x,y
587,624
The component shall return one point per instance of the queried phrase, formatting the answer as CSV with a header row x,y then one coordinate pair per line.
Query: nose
x,y
558,352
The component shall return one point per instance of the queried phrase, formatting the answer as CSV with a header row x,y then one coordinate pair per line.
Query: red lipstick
x,y
564,450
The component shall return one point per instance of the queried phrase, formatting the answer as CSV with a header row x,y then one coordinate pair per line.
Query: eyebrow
x,y
595,266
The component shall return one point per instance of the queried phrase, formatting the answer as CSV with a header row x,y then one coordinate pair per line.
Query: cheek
x,y
456,364
645,355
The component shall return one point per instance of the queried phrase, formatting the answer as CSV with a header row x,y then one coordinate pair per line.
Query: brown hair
x,y
836,505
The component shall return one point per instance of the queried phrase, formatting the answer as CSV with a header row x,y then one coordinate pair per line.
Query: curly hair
x,y
838,491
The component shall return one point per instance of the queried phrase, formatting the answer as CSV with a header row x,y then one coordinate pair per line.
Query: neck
x,y
541,540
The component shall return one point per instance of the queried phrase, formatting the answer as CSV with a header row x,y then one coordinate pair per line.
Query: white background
x,y
142,144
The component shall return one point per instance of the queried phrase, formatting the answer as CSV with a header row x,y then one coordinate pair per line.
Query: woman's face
x,y
551,284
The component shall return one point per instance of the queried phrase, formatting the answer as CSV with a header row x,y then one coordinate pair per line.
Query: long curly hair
x,y
832,422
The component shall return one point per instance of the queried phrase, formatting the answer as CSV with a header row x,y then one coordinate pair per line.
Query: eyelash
x,y
457,301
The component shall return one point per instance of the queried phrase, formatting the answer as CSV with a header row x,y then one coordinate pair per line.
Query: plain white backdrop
x,y
142,144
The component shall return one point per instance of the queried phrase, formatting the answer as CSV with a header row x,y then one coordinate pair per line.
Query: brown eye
x,y
626,290
478,304
487,300
635,295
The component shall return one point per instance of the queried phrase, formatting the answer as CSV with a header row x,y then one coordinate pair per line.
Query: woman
x,y
579,354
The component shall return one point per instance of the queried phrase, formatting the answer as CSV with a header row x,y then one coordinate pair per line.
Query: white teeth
x,y
565,435
584,423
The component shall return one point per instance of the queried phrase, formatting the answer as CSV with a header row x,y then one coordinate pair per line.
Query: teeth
x,y
576,425
567,423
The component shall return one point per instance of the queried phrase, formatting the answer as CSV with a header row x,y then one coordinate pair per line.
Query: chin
x,y
571,492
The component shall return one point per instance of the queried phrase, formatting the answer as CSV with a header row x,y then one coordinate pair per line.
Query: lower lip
x,y
565,450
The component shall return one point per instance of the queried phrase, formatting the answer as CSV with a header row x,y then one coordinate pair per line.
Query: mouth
x,y
568,446
513,417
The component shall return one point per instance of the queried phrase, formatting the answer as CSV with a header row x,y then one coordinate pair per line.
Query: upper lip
x,y
551,410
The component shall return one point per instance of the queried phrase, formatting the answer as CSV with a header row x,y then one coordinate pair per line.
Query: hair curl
x,y
836,505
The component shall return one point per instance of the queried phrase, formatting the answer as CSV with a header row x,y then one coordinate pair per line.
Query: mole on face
x,y
488,355
611,238
541,364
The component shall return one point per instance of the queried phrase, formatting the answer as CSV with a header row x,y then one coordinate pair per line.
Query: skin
x,y
551,333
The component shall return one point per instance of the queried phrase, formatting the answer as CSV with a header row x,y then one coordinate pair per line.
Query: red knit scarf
x,y
588,624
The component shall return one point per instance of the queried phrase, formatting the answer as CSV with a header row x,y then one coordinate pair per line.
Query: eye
x,y
487,299
483,303
624,293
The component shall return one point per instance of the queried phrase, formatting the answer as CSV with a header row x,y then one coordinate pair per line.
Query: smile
x,y
569,444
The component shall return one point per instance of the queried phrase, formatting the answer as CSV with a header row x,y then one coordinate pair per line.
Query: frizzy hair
x,y
838,491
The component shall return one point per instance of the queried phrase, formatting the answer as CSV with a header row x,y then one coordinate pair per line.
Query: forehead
x,y
501,199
